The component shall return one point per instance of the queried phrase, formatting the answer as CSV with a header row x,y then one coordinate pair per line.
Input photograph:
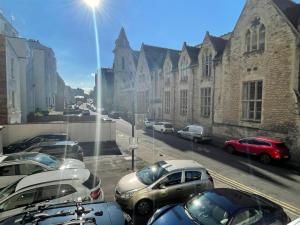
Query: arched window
x,y
248,39
254,40
262,36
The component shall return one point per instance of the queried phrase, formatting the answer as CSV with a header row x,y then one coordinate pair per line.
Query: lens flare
x,y
92,3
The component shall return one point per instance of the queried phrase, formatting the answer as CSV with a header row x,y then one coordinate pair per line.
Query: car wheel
x,y
144,207
265,158
230,149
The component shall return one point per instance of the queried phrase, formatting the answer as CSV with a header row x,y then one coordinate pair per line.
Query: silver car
x,y
15,166
195,133
163,183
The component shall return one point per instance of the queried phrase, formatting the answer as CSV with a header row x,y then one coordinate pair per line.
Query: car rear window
x,y
91,182
281,145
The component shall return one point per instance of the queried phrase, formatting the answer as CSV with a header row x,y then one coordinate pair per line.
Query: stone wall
x,y
3,85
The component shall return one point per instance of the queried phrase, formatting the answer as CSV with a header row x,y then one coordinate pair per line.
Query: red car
x,y
263,147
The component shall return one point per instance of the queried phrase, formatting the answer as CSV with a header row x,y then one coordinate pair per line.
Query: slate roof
x,y
290,9
174,56
135,55
193,53
219,44
155,56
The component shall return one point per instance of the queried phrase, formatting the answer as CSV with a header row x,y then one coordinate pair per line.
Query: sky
x,y
67,27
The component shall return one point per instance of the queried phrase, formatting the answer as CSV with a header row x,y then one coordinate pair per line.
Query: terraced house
x,y
244,83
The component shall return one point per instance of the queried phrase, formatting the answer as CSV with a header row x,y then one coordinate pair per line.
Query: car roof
x,y
233,200
172,165
58,143
268,139
52,176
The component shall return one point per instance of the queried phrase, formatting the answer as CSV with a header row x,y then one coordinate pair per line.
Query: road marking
x,y
243,187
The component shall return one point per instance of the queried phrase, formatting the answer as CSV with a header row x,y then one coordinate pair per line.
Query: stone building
x,y
170,74
124,69
244,83
259,74
184,85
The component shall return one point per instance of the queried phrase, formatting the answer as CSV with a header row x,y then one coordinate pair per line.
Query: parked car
x,y
114,115
60,149
18,165
163,183
26,143
267,149
101,213
149,123
195,133
295,222
53,186
164,127
222,206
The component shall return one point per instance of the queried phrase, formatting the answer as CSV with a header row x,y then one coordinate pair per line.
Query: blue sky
x,y
66,26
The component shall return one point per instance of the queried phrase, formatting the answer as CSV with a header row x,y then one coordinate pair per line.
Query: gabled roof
x,y
174,56
219,44
135,55
155,56
193,53
290,9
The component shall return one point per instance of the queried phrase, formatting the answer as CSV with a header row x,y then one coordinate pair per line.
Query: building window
x,y
12,62
207,64
167,102
184,68
183,102
248,41
205,101
262,36
254,40
123,63
252,101
13,100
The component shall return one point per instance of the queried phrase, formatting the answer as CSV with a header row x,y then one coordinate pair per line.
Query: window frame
x,y
205,101
252,100
183,102
192,171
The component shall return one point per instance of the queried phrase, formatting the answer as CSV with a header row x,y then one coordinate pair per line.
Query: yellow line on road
x,y
243,187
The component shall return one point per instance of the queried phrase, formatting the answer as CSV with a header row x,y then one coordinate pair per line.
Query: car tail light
x,y
95,194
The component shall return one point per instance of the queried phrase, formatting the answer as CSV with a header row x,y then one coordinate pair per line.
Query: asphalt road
x,y
277,182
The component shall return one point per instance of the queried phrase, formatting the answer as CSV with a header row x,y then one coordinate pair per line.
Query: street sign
x,y
139,121
133,143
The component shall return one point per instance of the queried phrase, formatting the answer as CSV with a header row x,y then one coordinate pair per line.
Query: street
x,y
276,182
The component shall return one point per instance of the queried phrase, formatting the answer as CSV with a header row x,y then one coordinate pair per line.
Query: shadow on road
x,y
241,162
104,148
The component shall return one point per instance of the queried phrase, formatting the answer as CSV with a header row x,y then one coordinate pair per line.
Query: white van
x,y
195,133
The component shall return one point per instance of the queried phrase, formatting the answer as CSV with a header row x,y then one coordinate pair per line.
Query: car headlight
x,y
127,195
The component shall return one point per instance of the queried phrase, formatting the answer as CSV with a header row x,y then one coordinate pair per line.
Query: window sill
x,y
260,51
251,121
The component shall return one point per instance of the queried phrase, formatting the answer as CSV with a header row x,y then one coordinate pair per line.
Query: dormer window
x,y
206,64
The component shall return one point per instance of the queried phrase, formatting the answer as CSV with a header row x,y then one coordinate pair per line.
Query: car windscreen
x,y
8,190
149,174
45,159
205,211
